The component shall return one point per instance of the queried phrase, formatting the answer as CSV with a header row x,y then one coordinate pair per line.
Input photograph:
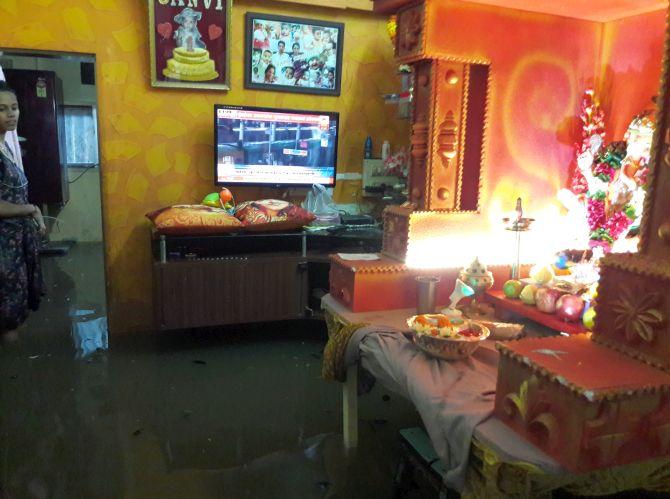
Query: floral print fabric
x,y
21,284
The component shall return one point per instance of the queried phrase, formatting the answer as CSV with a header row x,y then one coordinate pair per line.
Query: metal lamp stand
x,y
517,224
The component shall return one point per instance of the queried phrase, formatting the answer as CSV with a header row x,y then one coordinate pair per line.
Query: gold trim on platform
x,y
490,475
590,395
638,264
410,59
463,130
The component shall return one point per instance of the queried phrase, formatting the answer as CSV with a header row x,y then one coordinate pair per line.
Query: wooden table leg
x,y
350,408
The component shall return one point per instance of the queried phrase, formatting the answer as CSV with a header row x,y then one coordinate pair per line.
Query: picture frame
x,y
292,54
190,44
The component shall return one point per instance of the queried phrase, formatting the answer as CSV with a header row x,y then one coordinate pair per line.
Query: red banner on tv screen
x,y
322,121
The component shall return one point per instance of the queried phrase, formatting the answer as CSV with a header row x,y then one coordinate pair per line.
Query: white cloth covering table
x,y
455,399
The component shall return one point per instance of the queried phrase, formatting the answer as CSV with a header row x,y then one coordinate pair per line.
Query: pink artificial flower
x,y
579,185
641,176
595,210
618,224
603,168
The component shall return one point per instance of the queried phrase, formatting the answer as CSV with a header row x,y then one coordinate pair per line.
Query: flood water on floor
x,y
226,413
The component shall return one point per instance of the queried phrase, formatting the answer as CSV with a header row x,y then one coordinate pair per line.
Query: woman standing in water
x,y
21,225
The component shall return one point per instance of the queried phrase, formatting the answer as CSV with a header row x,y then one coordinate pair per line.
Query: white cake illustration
x,y
190,59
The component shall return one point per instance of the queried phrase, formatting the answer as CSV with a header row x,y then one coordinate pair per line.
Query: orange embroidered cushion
x,y
272,214
193,220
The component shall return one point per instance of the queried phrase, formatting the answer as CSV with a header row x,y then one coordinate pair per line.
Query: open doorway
x,y
58,138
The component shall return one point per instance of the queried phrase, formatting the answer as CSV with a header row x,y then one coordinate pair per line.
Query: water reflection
x,y
230,413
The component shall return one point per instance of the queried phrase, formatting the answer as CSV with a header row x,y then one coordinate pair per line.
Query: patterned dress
x,y
21,284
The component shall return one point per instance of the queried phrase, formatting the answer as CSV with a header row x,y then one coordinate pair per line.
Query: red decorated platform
x,y
505,305
586,405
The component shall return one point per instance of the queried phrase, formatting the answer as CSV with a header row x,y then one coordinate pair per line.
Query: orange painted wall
x,y
157,143
540,66
630,68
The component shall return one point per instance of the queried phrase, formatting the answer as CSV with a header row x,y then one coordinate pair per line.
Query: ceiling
x,y
592,10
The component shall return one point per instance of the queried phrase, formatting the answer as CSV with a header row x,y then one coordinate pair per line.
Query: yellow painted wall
x,y
157,143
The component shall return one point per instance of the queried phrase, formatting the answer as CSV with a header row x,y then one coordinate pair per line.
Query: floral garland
x,y
593,136
610,180
607,225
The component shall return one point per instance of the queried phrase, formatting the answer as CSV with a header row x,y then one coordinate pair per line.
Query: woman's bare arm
x,y
9,210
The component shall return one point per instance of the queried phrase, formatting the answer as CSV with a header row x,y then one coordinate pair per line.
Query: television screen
x,y
262,146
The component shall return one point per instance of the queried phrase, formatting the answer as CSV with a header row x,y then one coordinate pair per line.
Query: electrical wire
x,y
87,168
21,186
57,221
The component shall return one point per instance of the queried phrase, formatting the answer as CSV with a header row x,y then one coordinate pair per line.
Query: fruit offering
x,y
460,340
527,294
570,308
512,288
541,274
589,318
439,325
546,299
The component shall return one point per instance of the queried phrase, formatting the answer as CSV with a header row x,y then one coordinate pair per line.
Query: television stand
x,y
204,281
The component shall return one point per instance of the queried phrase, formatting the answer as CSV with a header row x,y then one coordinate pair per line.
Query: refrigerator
x,y
40,96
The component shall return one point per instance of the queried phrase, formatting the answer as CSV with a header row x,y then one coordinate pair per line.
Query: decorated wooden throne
x,y
602,401
591,402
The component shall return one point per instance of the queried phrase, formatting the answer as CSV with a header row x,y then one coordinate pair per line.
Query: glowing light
x,y
455,251
626,245
459,241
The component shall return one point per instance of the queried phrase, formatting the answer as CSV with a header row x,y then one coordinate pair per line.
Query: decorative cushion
x,y
193,220
271,215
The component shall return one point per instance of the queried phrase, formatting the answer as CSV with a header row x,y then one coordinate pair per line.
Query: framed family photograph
x,y
292,54
190,43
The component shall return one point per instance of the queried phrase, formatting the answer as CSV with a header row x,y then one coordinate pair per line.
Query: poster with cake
x,y
190,41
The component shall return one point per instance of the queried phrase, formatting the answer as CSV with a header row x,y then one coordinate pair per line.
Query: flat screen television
x,y
274,147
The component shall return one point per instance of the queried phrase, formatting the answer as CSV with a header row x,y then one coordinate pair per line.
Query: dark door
x,y
40,97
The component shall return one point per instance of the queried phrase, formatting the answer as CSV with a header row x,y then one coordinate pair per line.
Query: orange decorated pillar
x,y
444,114
448,124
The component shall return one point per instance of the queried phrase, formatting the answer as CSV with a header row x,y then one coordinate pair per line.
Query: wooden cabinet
x,y
212,292
235,279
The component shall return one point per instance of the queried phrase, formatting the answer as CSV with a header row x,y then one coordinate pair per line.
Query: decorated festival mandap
x,y
490,242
